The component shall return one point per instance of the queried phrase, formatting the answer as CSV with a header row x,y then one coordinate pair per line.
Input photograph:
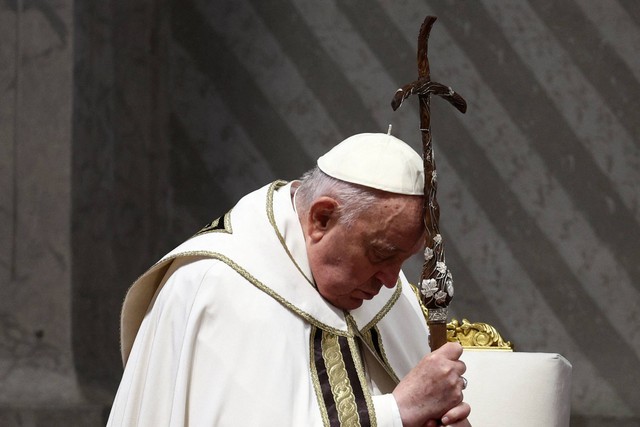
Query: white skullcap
x,y
376,160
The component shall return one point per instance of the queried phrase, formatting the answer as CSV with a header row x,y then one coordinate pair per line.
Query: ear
x,y
323,215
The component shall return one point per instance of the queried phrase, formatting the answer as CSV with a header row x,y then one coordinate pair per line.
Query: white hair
x,y
352,199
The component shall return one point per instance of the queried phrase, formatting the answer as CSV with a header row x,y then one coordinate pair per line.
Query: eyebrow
x,y
386,247
383,245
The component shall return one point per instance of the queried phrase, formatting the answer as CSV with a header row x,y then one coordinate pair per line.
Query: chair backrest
x,y
507,388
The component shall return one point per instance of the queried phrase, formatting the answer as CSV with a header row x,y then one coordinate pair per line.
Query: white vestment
x,y
230,331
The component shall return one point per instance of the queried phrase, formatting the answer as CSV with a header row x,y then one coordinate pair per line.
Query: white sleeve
x,y
387,411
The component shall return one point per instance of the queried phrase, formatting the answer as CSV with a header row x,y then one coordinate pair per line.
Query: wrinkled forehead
x,y
398,217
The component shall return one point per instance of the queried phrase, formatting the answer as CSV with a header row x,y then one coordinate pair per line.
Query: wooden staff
x,y
436,282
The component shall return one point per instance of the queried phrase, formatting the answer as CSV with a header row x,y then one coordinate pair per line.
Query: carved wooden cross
x,y
436,282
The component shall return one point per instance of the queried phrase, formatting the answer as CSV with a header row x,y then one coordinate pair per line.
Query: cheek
x,y
344,279
339,272
332,278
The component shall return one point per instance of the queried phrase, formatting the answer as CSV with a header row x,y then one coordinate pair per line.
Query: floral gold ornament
x,y
478,336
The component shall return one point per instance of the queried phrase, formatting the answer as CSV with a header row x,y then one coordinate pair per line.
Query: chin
x,y
351,304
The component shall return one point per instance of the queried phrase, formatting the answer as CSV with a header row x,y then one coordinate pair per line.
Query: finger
x,y
456,414
460,367
462,423
457,368
451,350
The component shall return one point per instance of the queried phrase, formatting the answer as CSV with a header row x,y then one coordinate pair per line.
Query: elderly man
x,y
292,310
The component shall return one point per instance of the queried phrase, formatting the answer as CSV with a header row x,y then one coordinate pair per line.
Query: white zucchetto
x,y
376,160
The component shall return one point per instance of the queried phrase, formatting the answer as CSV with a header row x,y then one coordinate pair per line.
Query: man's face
x,y
352,264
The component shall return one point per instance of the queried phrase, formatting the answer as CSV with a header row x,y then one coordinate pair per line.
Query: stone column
x,y
120,172
82,188
37,374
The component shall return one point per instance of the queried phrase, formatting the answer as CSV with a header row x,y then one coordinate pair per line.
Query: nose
x,y
389,275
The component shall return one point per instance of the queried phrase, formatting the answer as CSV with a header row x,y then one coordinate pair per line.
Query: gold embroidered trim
x,y
383,360
258,284
343,396
272,220
385,309
367,340
339,380
366,337
357,360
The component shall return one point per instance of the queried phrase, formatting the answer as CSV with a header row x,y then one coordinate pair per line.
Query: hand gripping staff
x,y
436,282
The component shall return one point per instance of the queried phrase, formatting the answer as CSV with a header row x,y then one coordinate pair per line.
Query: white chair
x,y
511,389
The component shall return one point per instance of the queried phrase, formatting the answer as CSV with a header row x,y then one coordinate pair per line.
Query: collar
x,y
288,226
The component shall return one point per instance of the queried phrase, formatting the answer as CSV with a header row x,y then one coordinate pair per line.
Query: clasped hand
x,y
432,390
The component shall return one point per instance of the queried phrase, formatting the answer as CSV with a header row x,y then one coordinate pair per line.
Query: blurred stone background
x,y
126,125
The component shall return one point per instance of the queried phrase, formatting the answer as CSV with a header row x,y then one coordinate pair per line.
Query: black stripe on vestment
x,y
323,378
354,380
375,339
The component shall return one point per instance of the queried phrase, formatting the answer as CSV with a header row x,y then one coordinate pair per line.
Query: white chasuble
x,y
229,330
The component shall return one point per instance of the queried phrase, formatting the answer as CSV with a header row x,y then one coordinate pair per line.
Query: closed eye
x,y
379,256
